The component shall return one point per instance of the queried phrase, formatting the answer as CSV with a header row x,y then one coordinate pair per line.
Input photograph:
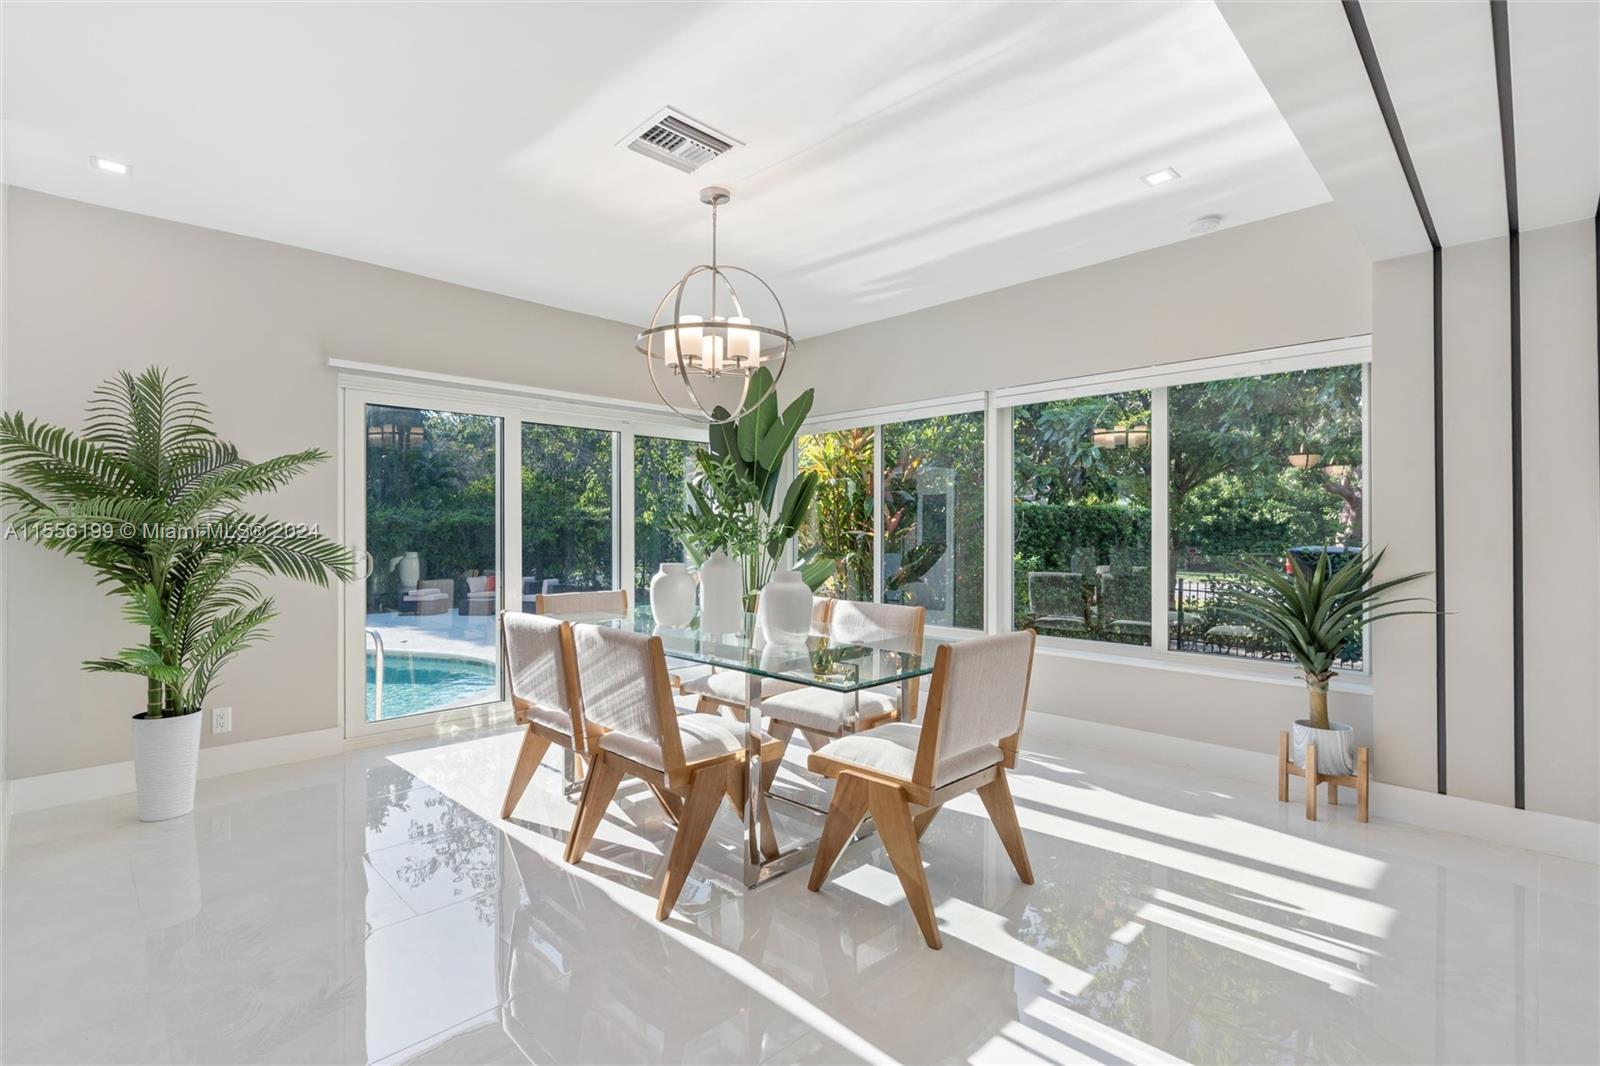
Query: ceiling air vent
x,y
679,141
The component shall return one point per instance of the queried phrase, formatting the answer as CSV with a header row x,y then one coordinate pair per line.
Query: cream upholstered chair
x,y
606,602
821,714
543,672
728,688
697,758
967,740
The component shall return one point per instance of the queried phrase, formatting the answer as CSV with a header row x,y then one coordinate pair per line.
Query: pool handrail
x,y
377,699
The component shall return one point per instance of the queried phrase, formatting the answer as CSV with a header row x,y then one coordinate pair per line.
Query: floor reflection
x,y
371,908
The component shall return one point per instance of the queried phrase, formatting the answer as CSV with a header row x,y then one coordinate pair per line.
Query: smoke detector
x,y
683,143
1205,224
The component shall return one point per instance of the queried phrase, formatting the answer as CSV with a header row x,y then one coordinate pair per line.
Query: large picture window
x,y
841,520
1081,517
661,468
568,492
933,517
1265,468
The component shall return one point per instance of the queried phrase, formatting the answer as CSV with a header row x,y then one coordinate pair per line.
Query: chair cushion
x,y
891,750
704,735
549,717
824,710
729,685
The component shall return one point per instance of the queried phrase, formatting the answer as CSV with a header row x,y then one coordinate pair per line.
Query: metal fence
x,y
1195,622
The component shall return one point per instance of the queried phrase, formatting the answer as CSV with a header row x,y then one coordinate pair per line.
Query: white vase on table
x,y
721,594
784,616
672,595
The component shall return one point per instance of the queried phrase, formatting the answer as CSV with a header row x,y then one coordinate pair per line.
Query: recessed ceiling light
x,y
1205,223
111,166
1162,176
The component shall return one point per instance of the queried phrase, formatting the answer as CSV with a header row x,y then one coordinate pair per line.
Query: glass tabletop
x,y
821,661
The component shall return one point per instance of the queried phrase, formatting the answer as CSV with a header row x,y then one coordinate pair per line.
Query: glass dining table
x,y
820,661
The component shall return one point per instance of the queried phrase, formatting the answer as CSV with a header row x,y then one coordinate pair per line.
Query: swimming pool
x,y
415,682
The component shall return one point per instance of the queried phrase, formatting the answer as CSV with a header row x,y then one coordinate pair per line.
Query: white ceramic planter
x,y
784,616
1336,747
672,595
166,755
721,594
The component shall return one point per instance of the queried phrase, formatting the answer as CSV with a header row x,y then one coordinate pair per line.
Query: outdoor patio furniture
x,y
482,594
431,597
1056,602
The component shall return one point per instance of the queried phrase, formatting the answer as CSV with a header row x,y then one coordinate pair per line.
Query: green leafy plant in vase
x,y
1314,610
150,499
733,503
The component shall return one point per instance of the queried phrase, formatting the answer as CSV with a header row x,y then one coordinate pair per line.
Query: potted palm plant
x,y
150,498
1314,609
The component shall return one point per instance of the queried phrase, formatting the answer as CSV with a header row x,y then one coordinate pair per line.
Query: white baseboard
x,y
115,779
1551,834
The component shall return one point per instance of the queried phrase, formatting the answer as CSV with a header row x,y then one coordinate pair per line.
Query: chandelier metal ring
x,y
690,353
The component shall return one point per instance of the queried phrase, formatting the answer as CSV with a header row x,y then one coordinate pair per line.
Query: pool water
x,y
414,683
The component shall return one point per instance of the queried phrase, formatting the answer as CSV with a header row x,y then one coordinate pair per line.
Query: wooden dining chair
x,y
542,669
722,689
822,714
611,602
697,758
902,773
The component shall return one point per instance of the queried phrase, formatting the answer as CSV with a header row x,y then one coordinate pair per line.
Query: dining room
x,y
776,533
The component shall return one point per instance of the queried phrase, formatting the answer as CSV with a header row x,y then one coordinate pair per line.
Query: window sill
x,y
1184,663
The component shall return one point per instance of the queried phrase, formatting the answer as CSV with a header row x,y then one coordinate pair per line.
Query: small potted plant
x,y
1313,610
149,498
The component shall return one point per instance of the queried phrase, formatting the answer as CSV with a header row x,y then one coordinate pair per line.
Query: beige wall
x,y
94,291
1299,277
1561,518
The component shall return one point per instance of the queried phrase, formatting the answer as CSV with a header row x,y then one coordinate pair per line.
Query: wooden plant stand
x,y
1357,780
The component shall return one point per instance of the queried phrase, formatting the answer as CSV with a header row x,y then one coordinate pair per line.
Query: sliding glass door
x,y
431,495
468,503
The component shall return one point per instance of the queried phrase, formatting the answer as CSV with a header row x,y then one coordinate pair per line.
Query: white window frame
x,y
360,384
997,405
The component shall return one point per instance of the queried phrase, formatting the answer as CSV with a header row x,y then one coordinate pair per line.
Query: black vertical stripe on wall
x,y
1380,92
1500,25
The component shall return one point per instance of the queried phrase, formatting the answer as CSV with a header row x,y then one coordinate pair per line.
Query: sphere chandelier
x,y
704,361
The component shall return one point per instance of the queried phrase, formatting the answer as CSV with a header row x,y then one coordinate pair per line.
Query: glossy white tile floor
x,y
369,908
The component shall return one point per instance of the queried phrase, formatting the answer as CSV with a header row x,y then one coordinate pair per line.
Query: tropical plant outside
x,y
150,498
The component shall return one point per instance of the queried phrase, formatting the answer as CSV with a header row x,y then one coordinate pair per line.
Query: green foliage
x,y
1316,609
1051,532
149,498
839,526
733,493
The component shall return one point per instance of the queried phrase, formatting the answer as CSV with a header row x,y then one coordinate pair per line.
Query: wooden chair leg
x,y
1333,794
783,732
1311,782
817,740
529,756
1362,771
923,819
996,796
599,786
891,813
1283,767
845,811
672,805
706,789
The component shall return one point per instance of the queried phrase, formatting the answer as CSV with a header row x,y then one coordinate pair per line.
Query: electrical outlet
x,y
221,720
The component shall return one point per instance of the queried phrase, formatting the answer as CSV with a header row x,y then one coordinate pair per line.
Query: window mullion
x,y
877,514
623,498
1160,537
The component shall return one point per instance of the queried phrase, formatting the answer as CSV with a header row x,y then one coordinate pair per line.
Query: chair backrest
x,y
542,667
977,699
626,689
896,626
1124,598
611,602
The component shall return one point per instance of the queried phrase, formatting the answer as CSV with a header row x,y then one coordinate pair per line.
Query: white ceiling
x,y
897,155
1438,62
